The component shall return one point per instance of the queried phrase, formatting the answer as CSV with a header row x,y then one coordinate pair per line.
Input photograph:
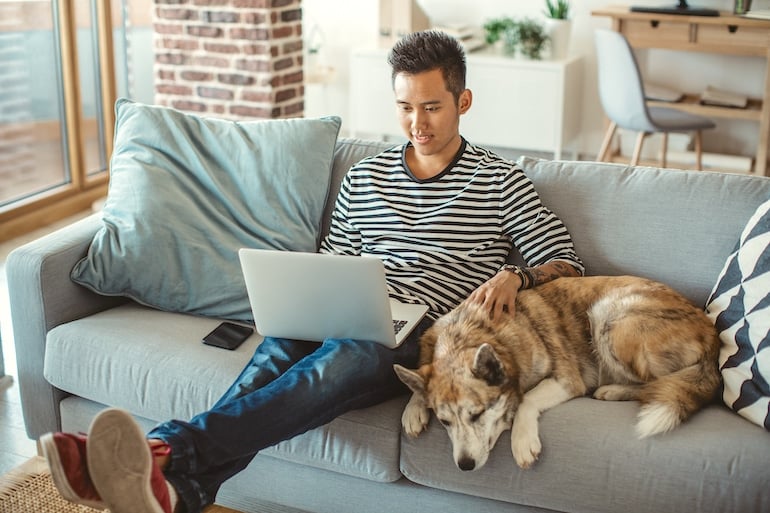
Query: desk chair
x,y
622,96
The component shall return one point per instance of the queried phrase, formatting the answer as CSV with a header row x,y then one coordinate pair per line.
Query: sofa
x,y
79,351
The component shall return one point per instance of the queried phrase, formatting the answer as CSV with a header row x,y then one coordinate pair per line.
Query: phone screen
x,y
228,335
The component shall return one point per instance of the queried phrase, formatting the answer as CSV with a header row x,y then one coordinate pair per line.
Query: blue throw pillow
x,y
187,192
740,308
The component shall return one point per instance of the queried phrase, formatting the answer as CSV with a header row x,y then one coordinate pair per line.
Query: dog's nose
x,y
466,463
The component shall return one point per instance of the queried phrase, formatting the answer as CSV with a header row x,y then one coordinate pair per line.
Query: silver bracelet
x,y
524,274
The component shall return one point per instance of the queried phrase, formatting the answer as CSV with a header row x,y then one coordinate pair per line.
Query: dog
x,y
621,338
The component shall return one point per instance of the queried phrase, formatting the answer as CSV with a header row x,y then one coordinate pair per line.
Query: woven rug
x,y
29,489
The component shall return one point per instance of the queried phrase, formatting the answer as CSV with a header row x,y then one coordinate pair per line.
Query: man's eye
x,y
431,109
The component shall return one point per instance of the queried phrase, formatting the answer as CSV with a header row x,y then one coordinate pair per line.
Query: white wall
x,y
348,24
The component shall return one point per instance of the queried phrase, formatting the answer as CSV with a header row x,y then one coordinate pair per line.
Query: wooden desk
x,y
724,34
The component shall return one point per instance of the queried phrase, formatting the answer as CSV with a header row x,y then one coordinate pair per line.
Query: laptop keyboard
x,y
398,325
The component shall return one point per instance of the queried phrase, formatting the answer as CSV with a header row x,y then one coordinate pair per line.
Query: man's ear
x,y
465,101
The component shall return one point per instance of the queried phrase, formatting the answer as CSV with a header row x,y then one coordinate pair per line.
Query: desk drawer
x,y
656,34
742,40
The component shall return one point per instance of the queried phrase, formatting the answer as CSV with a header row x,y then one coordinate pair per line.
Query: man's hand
x,y
498,294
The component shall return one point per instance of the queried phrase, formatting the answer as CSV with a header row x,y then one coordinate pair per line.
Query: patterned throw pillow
x,y
740,308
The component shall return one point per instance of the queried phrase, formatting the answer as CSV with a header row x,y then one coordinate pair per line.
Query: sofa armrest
x,y
42,296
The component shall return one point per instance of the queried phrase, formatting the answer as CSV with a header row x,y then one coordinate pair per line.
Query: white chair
x,y
623,99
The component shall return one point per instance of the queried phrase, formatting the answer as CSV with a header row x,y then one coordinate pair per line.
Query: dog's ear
x,y
411,378
487,366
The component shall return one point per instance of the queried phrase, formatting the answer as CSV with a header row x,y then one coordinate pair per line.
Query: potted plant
x,y
557,9
495,28
528,37
558,26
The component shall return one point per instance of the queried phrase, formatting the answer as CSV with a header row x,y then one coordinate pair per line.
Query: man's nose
x,y
419,119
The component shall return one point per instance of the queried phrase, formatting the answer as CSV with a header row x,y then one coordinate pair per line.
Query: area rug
x,y
29,489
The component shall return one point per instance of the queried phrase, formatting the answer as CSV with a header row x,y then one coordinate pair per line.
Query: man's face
x,y
429,114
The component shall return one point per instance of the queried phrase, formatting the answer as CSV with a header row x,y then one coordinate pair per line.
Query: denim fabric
x,y
287,388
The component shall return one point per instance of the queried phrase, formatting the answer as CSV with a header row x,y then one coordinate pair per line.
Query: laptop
x,y
315,296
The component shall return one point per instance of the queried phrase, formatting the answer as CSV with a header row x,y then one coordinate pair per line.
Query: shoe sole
x,y
120,463
59,476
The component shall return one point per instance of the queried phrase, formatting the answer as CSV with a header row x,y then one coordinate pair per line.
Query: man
x,y
442,214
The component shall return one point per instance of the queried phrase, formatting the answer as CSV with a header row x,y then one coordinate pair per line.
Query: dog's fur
x,y
622,338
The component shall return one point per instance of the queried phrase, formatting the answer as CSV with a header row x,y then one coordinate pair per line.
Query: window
x,y
64,63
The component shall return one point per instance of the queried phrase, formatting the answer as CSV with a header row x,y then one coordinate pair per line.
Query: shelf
x,y
691,103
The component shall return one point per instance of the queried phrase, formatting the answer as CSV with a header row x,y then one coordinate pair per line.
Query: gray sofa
x,y
78,351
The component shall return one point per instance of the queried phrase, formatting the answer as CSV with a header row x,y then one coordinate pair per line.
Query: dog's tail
x,y
671,399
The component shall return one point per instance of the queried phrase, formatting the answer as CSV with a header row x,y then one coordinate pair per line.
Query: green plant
x,y
527,36
557,9
496,27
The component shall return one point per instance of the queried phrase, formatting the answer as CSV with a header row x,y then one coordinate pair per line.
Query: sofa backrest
x,y
674,226
670,225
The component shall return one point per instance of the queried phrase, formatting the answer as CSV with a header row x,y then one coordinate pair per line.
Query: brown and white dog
x,y
622,338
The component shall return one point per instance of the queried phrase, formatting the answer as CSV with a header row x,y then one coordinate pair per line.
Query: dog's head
x,y
470,390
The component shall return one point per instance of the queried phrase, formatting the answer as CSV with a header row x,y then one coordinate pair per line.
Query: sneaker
x,y
66,457
122,466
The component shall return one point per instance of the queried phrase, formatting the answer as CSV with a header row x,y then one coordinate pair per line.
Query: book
x,y
458,31
714,96
472,44
760,14
661,93
465,35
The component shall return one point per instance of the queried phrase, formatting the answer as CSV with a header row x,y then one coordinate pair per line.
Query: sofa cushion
x,y
361,443
593,461
740,309
163,371
656,223
187,192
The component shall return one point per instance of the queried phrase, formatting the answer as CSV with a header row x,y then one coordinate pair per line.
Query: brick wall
x,y
236,59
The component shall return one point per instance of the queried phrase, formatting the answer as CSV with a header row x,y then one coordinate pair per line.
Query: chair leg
x,y
698,151
607,142
638,148
664,150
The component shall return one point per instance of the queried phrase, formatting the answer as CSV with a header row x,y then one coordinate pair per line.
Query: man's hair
x,y
424,51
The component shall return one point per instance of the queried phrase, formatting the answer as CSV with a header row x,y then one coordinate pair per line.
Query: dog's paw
x,y
525,444
415,417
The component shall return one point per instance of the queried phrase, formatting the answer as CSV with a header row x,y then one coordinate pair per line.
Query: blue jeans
x,y
287,388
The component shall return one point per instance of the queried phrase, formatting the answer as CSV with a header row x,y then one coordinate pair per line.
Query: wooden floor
x,y
15,447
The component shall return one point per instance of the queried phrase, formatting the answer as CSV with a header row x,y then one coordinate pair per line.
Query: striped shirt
x,y
441,238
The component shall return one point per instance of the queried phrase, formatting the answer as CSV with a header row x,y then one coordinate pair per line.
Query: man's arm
x,y
534,276
542,240
343,238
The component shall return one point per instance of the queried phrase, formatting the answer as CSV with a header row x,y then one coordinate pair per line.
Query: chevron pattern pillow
x,y
740,308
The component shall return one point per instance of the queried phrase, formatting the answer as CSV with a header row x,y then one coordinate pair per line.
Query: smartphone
x,y
228,335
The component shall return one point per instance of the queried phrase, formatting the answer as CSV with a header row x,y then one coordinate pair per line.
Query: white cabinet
x,y
517,103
